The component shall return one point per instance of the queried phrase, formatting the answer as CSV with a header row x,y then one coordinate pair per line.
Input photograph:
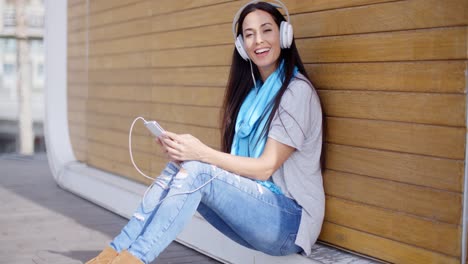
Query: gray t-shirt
x,y
298,123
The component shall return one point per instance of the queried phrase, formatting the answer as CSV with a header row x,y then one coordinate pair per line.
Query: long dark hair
x,y
240,80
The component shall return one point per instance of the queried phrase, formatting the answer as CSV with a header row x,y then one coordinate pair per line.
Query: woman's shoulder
x,y
300,88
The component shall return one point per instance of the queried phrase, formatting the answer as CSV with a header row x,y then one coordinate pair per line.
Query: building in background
x,y
21,68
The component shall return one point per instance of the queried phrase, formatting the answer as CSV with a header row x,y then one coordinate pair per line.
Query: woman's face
x,y
261,40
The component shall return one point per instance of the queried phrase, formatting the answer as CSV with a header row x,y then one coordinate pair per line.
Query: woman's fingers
x,y
173,153
158,140
170,135
170,143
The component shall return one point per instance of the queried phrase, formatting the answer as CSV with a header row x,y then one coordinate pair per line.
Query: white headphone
x,y
286,30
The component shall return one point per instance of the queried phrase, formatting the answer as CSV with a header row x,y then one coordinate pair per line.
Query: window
x,y
9,69
9,14
36,46
10,45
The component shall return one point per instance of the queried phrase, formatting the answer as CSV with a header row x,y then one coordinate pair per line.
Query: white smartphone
x,y
154,128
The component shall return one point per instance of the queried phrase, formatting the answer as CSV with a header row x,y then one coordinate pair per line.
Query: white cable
x,y
253,77
154,179
172,195
130,148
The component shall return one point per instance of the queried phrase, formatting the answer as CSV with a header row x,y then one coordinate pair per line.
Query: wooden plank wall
x,y
391,75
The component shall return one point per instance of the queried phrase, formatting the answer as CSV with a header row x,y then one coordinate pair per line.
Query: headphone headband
x,y
278,4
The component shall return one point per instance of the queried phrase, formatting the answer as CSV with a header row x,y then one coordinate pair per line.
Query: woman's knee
x,y
188,173
195,168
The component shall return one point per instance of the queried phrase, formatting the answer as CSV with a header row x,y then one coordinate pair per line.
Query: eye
x,y
267,30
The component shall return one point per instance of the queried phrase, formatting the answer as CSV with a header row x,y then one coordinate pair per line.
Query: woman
x,y
264,190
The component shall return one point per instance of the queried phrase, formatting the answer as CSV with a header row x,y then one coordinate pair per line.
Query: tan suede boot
x,y
126,258
105,257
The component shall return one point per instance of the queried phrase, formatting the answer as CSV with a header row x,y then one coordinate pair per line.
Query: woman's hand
x,y
183,147
163,148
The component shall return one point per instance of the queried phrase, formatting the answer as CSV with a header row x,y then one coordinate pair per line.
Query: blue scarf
x,y
249,141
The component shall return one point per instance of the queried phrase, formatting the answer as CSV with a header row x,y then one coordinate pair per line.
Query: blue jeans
x,y
240,208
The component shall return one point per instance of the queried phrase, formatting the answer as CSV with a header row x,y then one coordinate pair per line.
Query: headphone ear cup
x,y
240,47
286,35
289,36
282,34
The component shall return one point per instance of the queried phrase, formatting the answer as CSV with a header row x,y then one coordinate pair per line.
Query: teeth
x,y
261,50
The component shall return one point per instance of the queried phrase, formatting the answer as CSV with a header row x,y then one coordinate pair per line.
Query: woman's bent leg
x,y
145,211
218,223
266,221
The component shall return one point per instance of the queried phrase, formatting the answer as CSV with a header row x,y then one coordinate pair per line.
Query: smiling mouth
x,y
262,51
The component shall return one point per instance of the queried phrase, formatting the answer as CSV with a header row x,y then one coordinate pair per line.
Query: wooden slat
x,y
196,17
161,6
209,136
415,200
123,108
201,56
77,117
121,155
295,6
109,137
190,76
77,90
77,129
185,19
445,174
202,76
136,10
122,45
169,6
195,115
77,104
77,77
127,29
427,44
439,237
157,165
125,61
115,123
77,50
102,5
117,168
385,249
431,76
77,23
438,109
400,15
79,143
193,37
81,156
77,10
127,76
141,93
77,64
77,37
79,149
71,3
196,96
446,142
